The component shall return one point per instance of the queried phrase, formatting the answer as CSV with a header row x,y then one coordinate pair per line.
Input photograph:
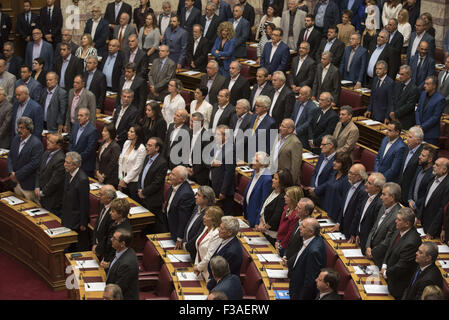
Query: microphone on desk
x,y
165,253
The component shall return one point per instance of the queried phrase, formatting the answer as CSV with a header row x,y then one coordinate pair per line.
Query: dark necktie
x,y
378,83
49,14
28,18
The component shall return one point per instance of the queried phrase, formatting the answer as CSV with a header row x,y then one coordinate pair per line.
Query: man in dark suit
x,y
302,114
122,31
311,35
104,221
262,86
34,87
324,121
95,81
222,111
125,115
75,203
303,69
367,212
162,71
405,95
330,82
229,248
213,81
54,103
378,239
396,39
248,12
79,97
391,153
198,170
51,22
416,37
130,80
275,54
26,22
49,186
430,213
210,22
32,50
327,284
227,282
242,30
114,10
83,140
67,66
327,17
409,164
422,64
197,49
133,54
426,274
239,124
176,39
151,181
382,51
26,107
262,126
182,4
279,4
381,92
112,65
352,199
66,38
178,134
282,99
124,269
180,203
429,110
354,61
100,33
13,62
333,45
399,263
189,15
23,159
237,84
223,10
305,266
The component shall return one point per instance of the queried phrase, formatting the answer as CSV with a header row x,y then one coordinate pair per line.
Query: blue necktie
x,y
416,276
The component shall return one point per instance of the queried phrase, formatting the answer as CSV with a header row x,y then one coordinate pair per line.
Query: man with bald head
x,y
416,37
422,64
112,64
305,266
327,77
7,80
302,114
303,68
162,71
24,106
287,151
123,31
346,132
223,111
213,81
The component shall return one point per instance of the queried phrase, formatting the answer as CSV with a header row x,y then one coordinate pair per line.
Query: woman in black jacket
x,y
152,122
107,157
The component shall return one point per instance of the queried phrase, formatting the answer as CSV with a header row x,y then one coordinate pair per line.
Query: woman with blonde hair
x,y
223,48
86,48
404,28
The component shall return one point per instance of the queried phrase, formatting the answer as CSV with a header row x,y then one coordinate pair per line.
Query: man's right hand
x,y
37,192
368,253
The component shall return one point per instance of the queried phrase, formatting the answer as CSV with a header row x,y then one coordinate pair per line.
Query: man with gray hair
x,y
229,248
346,132
381,91
54,102
95,81
131,80
112,292
227,282
213,81
237,84
75,204
133,54
381,50
404,97
7,80
123,30
261,87
399,263
210,21
98,28
125,114
162,71
282,98
24,106
327,78
239,124
5,119
23,159
79,97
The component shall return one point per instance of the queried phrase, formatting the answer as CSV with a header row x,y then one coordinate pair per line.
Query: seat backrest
x,y
244,181
151,260
351,291
306,173
262,293
3,168
164,286
246,259
251,53
331,256
349,97
246,72
174,295
344,274
252,281
187,98
356,153
367,158
109,105
94,205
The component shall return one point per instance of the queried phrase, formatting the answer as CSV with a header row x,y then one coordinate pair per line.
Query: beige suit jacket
x,y
289,157
347,139
87,100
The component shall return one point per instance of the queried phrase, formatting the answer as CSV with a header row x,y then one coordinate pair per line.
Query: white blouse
x,y
130,164
389,13
205,109
405,29
206,249
170,106
91,51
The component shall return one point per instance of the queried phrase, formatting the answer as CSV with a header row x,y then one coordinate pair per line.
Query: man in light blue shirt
x,y
108,67
382,40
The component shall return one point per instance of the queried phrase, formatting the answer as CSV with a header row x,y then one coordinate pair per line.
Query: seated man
x,y
302,72
276,54
346,132
227,282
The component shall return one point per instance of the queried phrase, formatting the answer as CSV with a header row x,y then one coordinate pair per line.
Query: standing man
x,y
39,48
416,37
132,81
346,132
422,64
5,120
282,98
381,92
98,28
275,54
176,39
303,69
7,81
248,12
54,103
123,30
223,111
326,14
67,66
210,22
112,65
189,15
239,124
354,61
162,71
302,114
95,81
13,62
79,97
237,84
443,83
309,33
242,30
34,86
262,87
114,11
125,116
333,45
26,107
104,221
327,78
381,51
26,22
51,21
213,81
292,23
262,124
198,49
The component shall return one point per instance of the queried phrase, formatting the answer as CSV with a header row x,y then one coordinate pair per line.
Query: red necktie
x,y
306,34
397,239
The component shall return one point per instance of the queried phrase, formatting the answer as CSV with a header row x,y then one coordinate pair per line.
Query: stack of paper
x,y
366,270
376,289
95,186
337,236
443,248
246,169
195,297
326,223
179,257
268,257
12,201
121,195
110,93
3,151
421,232
57,231
165,244
439,66
36,212
94,286
277,273
107,119
243,224
87,264
444,264
136,210
250,62
370,122
190,73
364,90
188,276
352,253
346,82
309,155
258,241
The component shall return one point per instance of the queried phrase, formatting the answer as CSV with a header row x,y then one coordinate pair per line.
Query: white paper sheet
x,y
309,155
57,231
110,93
371,122
376,289
253,45
343,82
364,90
94,286
246,169
443,248
3,151
367,271
256,240
337,236
268,257
13,200
86,264
95,186
36,211
188,276
121,195
277,273
136,210
352,253
326,223
167,244
179,257
190,73
250,62
444,263
421,232
195,297
242,224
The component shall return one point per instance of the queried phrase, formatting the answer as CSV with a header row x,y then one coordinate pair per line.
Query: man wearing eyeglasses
x,y
98,28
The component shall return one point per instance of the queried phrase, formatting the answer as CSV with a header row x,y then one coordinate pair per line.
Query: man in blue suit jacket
x,y
227,282
280,58
422,64
354,8
224,10
302,114
180,203
229,248
324,167
101,33
194,15
330,16
46,51
356,70
83,139
428,113
23,160
391,152
26,107
381,93
176,38
420,25
304,267
242,30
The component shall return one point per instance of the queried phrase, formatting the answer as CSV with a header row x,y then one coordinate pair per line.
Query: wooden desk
x,y
80,276
24,238
189,81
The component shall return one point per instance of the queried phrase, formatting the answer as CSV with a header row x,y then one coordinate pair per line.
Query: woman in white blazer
x,y
208,241
201,105
131,160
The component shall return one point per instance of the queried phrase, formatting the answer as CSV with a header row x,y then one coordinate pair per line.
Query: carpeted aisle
x,y
17,282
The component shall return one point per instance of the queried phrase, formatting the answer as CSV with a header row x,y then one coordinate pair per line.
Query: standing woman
x,y
201,105
149,38
223,48
131,162
173,101
272,16
38,71
390,10
86,48
107,158
140,13
272,208
404,28
153,123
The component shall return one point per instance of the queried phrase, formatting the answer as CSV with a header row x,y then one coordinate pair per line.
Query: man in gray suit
x,y
379,237
162,71
54,102
213,81
292,23
443,83
7,80
123,31
79,97
5,119
327,78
